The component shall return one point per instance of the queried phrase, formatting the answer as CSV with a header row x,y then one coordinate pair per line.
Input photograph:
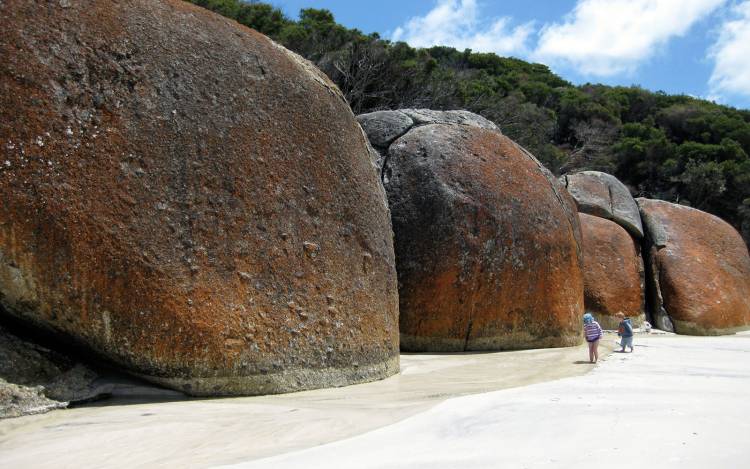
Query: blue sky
x,y
696,47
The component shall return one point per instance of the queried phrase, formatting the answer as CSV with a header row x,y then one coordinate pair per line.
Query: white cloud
x,y
731,54
457,23
609,37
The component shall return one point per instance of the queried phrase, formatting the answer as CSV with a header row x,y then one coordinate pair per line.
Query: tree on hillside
x,y
672,147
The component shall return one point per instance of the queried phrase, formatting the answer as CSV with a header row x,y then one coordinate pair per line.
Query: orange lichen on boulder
x,y
698,269
189,200
612,271
487,242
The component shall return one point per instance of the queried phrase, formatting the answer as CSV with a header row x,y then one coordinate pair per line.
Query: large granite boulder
x,y
603,195
189,200
613,272
698,269
487,241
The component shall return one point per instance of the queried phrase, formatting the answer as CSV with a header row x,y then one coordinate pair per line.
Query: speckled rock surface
x,y
189,200
613,272
603,195
17,400
383,127
35,379
698,268
460,117
487,242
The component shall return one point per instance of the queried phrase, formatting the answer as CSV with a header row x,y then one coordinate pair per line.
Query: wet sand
x,y
148,432
676,402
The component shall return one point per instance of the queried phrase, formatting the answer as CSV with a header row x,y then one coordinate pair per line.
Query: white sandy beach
x,y
676,402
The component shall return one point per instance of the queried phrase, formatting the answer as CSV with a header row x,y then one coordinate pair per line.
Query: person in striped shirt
x,y
593,332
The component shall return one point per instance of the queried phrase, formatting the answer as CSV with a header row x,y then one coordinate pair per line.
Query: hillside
x,y
671,147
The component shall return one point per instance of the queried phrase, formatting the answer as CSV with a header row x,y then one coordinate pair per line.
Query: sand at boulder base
x,y
130,432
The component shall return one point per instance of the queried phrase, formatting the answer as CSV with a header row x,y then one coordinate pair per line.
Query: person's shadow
x,y
582,362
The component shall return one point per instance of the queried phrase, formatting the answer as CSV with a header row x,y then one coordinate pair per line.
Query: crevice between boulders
x,y
468,335
657,315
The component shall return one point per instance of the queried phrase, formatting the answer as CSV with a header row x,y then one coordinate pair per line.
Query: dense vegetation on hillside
x,y
669,147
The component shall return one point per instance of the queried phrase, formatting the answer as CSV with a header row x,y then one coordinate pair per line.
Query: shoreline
x,y
190,432
683,397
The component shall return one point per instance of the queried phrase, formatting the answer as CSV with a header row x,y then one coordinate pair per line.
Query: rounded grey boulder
x,y
487,241
603,195
383,127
